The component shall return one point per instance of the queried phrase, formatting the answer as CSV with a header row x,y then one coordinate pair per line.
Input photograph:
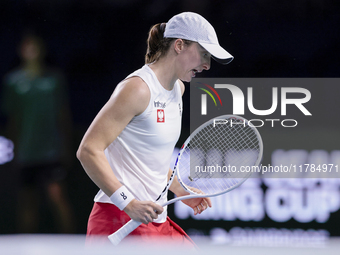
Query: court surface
x,y
50,244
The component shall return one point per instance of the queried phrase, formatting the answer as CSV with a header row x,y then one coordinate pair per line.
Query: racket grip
x,y
121,233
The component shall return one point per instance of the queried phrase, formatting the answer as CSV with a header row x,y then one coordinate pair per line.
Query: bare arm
x,y
197,204
129,99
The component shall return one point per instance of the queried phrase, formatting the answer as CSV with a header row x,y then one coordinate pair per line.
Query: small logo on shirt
x,y
160,116
123,195
159,104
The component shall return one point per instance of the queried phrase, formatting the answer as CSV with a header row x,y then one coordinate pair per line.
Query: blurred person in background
x,y
36,105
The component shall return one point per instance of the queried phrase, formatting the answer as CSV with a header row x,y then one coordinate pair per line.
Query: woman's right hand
x,y
143,211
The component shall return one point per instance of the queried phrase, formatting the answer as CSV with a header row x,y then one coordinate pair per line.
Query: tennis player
x,y
127,149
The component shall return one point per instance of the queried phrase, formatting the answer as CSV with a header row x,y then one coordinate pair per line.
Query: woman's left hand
x,y
198,204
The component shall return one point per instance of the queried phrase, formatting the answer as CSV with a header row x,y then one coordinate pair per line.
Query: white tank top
x,y
140,156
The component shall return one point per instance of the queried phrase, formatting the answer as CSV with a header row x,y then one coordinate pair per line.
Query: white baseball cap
x,y
193,27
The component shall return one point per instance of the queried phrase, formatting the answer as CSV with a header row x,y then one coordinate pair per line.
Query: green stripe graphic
x,y
209,95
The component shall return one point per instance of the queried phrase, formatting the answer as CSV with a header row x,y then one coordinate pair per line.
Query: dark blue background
x,y
98,43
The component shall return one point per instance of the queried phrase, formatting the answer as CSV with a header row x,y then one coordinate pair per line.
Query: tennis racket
x,y
216,158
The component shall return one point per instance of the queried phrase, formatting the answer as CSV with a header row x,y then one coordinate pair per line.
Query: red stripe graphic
x,y
213,90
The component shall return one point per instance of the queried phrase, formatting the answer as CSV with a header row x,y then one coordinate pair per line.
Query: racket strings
x,y
212,160
248,137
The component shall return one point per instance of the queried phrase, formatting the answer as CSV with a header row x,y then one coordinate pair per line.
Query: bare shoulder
x,y
135,86
181,84
133,92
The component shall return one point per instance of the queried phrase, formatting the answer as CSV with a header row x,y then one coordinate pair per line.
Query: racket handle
x,y
121,233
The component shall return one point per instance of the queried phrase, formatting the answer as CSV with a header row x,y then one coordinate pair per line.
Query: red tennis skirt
x,y
106,219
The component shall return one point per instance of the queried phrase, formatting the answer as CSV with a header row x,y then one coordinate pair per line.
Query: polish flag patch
x,y
160,116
